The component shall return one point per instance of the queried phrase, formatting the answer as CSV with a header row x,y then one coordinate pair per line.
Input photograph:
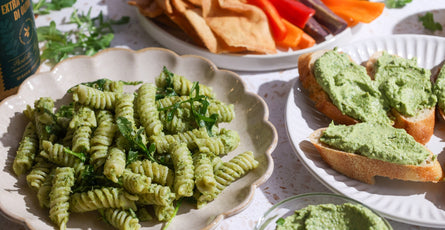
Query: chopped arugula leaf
x,y
134,138
429,23
81,156
91,36
396,3
280,221
168,90
199,110
44,7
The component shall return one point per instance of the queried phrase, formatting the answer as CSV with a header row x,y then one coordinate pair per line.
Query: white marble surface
x,y
289,176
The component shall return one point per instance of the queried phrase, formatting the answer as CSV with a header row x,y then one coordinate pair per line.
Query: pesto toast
x,y
413,106
375,107
421,167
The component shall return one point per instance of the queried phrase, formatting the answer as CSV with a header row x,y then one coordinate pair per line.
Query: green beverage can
x,y
19,46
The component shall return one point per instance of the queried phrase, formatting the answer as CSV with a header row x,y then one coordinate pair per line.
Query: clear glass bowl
x,y
288,206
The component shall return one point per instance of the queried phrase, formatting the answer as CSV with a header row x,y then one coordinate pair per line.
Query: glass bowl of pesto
x,y
321,211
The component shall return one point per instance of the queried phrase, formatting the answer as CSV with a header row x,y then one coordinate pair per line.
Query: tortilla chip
x,y
165,5
148,8
239,24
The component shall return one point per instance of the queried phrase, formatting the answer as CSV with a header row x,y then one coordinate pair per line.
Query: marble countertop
x,y
289,177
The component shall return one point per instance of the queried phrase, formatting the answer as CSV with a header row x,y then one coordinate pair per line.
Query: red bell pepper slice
x,y
277,27
293,11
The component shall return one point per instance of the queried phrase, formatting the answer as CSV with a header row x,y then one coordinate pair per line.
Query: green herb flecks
x,y
81,156
135,139
429,23
44,7
396,3
91,179
91,36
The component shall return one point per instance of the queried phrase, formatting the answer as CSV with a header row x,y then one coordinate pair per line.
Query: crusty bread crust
x,y
365,169
421,126
322,101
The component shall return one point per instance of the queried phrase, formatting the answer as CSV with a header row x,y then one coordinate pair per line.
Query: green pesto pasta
x,y
164,213
158,173
125,107
228,173
85,156
120,219
105,197
165,142
26,152
147,110
45,189
59,196
184,170
157,194
56,153
115,164
82,123
102,138
221,144
94,98
135,183
181,85
43,117
39,172
204,178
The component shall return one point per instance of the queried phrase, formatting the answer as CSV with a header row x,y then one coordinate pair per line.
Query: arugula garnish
x,y
280,221
429,23
91,36
396,3
198,105
135,139
44,7
91,179
168,90
81,156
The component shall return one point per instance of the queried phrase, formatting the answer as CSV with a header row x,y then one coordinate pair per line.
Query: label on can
x,y
19,47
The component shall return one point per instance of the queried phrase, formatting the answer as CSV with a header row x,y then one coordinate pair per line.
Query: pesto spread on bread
x,y
376,141
439,89
350,88
333,216
404,85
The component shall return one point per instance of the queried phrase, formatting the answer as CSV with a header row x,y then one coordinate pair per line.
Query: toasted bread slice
x,y
365,169
322,101
421,126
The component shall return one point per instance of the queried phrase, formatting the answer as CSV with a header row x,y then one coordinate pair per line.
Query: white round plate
x,y
409,202
257,134
241,62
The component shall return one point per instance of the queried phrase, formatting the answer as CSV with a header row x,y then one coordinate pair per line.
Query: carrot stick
x,y
360,11
293,36
306,41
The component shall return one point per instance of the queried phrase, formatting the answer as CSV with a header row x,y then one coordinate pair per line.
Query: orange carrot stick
x,y
355,10
293,36
306,41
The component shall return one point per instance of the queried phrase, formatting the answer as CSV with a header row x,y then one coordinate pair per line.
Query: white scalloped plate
x,y
409,202
242,62
256,132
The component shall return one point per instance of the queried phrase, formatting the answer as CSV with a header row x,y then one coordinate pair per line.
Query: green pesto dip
x,y
376,141
350,88
404,85
439,89
330,216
